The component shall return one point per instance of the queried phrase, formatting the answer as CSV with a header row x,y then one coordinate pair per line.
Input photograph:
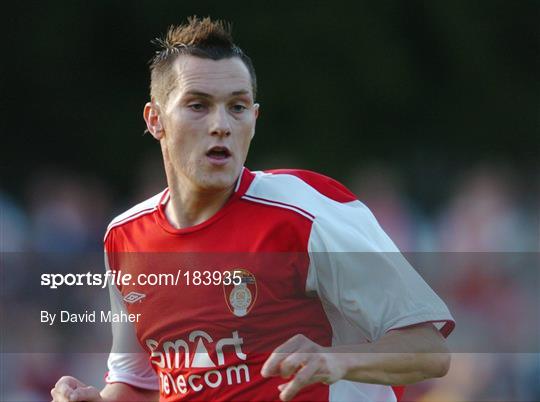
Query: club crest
x,y
240,298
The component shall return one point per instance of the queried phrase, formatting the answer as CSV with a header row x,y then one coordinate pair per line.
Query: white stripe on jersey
x,y
143,208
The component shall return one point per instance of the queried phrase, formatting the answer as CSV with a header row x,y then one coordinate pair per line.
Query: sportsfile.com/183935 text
x,y
118,278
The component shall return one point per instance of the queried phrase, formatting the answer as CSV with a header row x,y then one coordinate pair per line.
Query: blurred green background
x,y
426,87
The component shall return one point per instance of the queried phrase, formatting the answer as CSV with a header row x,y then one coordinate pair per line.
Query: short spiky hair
x,y
204,38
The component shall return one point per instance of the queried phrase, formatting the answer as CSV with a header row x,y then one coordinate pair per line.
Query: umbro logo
x,y
133,297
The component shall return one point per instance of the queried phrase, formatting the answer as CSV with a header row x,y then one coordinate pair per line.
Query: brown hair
x,y
202,38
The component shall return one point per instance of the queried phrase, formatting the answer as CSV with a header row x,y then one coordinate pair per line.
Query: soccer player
x,y
307,298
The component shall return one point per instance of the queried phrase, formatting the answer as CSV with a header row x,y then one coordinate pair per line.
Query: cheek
x,y
250,131
246,128
247,141
179,155
183,139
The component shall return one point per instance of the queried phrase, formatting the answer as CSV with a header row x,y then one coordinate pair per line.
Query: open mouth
x,y
218,153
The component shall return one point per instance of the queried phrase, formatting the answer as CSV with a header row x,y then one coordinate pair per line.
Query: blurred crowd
x,y
486,209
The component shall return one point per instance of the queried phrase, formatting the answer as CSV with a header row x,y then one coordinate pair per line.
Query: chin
x,y
218,181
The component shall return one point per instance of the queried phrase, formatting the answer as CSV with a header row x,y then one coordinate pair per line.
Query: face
x,y
207,123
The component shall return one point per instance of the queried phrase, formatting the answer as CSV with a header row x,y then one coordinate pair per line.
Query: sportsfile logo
x,y
193,353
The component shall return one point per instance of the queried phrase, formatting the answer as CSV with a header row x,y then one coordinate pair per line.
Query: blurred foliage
x,y
428,87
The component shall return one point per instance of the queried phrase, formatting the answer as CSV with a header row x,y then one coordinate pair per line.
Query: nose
x,y
220,124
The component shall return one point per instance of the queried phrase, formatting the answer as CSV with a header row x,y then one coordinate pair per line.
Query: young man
x,y
309,299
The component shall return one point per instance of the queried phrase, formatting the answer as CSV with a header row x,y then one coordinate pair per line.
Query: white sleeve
x,y
128,362
358,271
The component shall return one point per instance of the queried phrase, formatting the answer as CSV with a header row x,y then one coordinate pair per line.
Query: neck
x,y
190,206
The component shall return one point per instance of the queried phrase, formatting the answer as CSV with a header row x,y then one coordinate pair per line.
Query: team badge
x,y
240,298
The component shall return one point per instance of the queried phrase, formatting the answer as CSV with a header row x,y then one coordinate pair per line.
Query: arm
x,y
371,293
399,357
70,389
123,392
130,376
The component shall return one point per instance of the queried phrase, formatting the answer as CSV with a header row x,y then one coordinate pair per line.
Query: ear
x,y
151,114
256,111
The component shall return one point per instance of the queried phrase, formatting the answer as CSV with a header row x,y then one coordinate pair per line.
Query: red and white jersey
x,y
312,260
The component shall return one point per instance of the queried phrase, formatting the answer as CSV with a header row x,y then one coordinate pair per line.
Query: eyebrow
x,y
242,92
206,95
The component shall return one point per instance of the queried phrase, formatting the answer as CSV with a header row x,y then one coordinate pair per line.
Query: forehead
x,y
215,77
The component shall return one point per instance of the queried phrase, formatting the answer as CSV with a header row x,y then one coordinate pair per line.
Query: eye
x,y
238,108
197,107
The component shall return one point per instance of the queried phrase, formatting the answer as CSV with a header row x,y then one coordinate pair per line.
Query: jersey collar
x,y
242,184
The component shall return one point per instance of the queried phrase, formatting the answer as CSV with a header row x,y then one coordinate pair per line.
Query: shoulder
x,y
310,192
137,212
340,220
297,179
